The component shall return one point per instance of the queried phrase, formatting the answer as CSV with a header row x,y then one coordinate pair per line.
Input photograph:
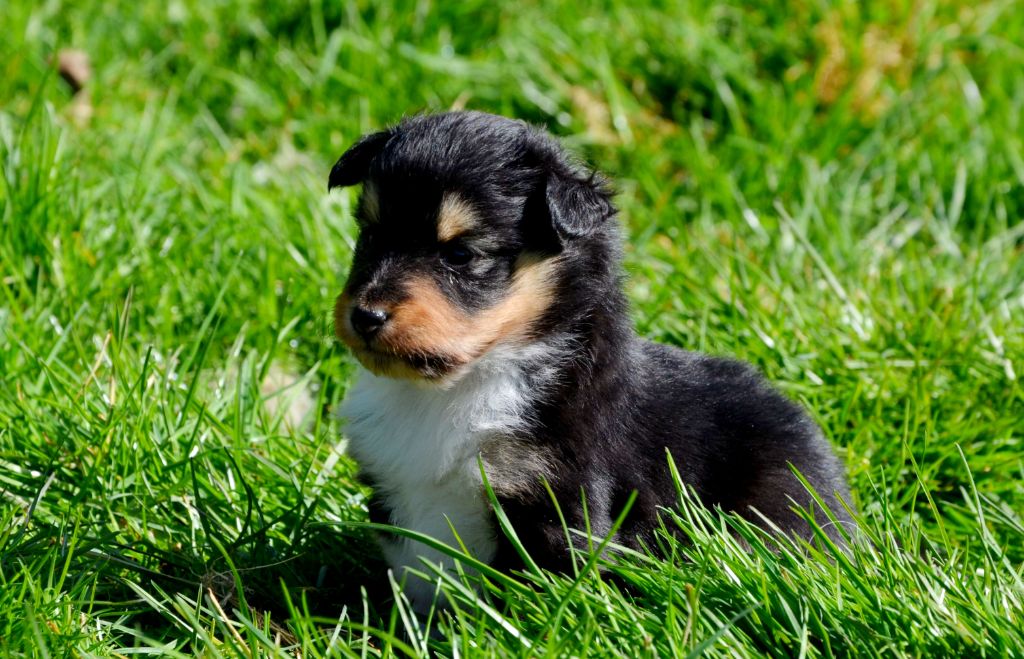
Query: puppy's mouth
x,y
399,349
389,363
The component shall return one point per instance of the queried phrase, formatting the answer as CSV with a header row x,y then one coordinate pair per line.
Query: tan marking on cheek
x,y
342,327
455,217
532,293
381,364
342,315
427,323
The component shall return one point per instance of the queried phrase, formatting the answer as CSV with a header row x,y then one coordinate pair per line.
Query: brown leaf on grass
x,y
597,117
868,64
74,67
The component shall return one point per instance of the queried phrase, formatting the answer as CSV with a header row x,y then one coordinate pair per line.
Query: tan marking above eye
x,y
369,203
455,217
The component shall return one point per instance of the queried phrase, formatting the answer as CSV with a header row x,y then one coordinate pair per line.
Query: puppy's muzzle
x,y
368,322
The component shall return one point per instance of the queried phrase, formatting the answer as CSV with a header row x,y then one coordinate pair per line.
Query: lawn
x,y
832,191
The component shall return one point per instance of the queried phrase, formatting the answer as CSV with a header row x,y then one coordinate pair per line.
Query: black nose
x,y
367,322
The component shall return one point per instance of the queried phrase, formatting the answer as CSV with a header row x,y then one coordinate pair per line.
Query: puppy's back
x,y
736,439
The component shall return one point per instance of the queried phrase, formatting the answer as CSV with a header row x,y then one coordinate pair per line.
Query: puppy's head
x,y
473,229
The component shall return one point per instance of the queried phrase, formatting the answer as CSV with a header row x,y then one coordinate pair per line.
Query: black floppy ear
x,y
354,165
578,205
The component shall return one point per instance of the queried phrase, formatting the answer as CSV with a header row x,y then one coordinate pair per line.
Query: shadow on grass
x,y
325,570
322,572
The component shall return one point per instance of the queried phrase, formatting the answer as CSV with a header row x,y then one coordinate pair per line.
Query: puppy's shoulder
x,y
680,368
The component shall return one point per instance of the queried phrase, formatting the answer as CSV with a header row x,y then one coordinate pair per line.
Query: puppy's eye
x,y
456,254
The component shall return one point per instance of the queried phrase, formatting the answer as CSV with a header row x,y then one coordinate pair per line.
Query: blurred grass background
x,y
830,190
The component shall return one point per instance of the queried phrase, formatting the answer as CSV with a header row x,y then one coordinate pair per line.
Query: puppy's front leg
x,y
544,535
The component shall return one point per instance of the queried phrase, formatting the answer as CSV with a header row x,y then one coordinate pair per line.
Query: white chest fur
x,y
419,443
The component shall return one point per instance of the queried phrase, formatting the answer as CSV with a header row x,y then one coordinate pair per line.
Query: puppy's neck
x,y
424,430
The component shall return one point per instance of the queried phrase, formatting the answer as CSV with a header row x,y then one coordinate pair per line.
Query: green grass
x,y
833,192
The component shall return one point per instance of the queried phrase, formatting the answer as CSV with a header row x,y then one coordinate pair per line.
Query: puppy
x,y
486,308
